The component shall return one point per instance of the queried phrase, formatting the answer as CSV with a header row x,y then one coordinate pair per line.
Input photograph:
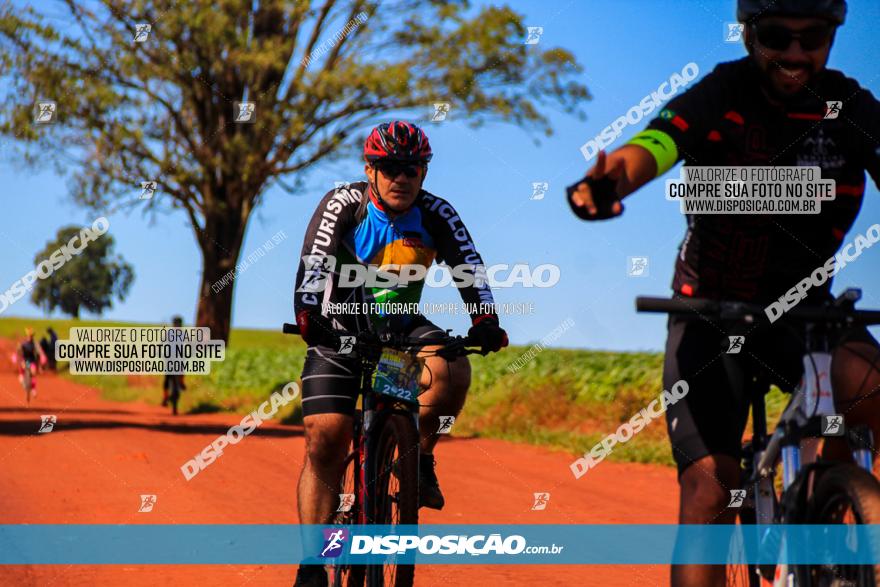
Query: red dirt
x,y
102,455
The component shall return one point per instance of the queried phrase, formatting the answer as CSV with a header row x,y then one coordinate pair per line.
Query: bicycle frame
x,y
28,372
375,409
794,445
799,421
794,442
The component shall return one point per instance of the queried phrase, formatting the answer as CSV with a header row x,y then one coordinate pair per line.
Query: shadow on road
x,y
20,427
56,409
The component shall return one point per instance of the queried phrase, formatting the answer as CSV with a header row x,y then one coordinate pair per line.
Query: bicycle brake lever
x,y
454,349
370,338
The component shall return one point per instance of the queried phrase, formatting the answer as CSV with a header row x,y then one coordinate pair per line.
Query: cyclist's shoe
x,y
429,489
311,576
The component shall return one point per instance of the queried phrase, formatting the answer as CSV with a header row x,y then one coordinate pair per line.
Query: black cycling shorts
x,y
711,418
330,381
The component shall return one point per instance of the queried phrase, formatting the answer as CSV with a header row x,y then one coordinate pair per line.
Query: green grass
x,y
563,399
566,399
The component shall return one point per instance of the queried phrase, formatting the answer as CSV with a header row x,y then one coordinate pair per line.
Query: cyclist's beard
x,y
786,81
782,89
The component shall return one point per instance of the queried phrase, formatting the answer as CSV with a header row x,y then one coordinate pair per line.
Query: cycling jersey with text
x,y
348,226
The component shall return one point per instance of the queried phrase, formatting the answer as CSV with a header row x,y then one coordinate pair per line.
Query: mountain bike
x,y
381,475
812,491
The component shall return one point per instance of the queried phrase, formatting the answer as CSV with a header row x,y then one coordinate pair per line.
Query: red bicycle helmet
x,y
397,141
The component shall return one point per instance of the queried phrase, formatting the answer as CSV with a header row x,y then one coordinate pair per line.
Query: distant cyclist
x,y
28,358
778,106
388,219
50,355
47,353
176,322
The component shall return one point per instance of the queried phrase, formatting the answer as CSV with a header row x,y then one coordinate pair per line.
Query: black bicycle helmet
x,y
833,10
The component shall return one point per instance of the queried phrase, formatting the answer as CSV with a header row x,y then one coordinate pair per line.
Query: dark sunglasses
x,y
779,38
392,169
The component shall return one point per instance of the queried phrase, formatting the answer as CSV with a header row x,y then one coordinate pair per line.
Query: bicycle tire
x,y
349,575
27,382
839,486
175,394
396,462
743,575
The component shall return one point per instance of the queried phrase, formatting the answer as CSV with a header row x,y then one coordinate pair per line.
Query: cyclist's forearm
x,y
639,167
647,155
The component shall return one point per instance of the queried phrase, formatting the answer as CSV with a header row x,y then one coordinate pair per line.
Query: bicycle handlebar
x,y
675,306
452,343
744,311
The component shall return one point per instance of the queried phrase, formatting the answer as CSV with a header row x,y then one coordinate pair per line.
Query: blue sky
x,y
627,49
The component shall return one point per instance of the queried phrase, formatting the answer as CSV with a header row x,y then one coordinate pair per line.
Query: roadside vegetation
x,y
563,399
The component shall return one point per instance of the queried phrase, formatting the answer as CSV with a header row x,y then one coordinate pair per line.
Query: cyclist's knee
x,y
328,437
454,376
705,489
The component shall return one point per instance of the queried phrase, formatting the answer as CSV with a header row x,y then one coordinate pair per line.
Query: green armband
x,y
660,145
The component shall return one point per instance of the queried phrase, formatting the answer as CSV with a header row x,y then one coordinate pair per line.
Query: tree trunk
x,y
221,244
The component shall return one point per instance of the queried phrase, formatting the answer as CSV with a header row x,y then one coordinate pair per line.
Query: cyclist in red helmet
x,y
387,220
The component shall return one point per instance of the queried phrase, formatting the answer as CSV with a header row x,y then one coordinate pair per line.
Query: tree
x,y
88,279
318,73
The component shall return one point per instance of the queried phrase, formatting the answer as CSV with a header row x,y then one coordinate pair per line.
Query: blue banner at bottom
x,y
284,544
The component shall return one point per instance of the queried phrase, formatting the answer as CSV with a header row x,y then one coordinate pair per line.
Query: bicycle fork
x,y
861,441
366,458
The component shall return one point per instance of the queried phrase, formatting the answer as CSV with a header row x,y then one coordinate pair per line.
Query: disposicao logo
x,y
334,539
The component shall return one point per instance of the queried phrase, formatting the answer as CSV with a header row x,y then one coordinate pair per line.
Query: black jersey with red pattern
x,y
726,119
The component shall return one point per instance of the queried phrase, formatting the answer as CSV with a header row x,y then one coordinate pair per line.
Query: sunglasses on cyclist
x,y
779,38
391,169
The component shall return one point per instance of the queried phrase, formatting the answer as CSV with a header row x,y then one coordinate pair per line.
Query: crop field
x,y
564,399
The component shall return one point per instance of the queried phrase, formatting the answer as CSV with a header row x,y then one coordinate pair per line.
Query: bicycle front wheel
x,y
349,575
396,496
740,573
845,494
28,383
175,394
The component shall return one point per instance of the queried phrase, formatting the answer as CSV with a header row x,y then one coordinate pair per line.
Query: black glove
x,y
316,329
488,334
604,195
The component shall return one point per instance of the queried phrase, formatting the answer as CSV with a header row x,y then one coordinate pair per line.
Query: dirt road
x,y
101,456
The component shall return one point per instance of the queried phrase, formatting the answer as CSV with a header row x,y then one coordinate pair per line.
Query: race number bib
x,y
397,375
